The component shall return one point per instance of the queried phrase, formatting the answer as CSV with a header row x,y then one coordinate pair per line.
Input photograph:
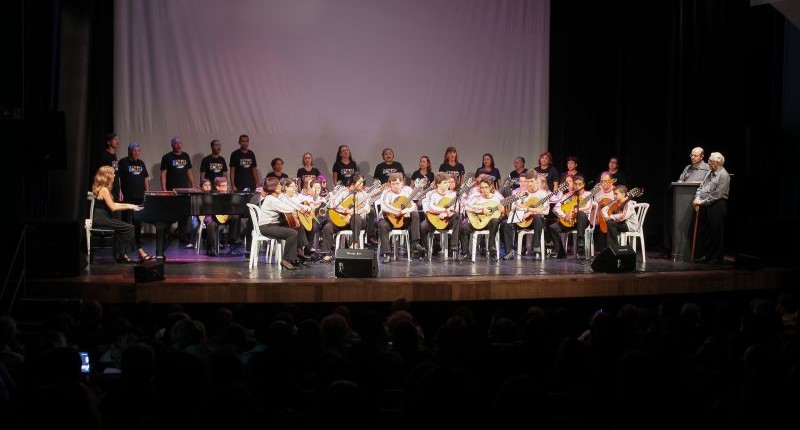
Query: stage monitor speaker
x,y
356,263
149,271
53,248
615,259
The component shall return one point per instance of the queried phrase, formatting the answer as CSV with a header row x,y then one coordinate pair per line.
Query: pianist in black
x,y
104,205
271,222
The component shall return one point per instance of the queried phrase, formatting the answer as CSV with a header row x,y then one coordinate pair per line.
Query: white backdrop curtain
x,y
309,75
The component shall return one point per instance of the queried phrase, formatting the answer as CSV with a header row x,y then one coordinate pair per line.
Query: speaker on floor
x,y
149,271
615,259
356,263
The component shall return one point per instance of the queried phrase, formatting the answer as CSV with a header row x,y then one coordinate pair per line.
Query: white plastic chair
x,y
87,224
273,245
588,235
348,235
480,233
641,212
521,237
444,243
396,237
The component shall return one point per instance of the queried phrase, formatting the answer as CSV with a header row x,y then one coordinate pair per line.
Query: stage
x,y
196,278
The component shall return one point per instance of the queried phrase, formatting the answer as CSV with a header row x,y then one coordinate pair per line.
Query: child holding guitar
x,y
441,208
530,211
485,209
573,214
620,215
604,197
399,212
348,209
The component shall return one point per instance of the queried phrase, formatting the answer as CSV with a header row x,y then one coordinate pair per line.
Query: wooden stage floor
x,y
193,278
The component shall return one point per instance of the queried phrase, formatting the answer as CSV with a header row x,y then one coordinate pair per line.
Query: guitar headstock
x,y
636,192
468,183
374,188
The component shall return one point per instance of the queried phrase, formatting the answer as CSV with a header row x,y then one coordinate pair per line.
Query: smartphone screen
x,y
85,365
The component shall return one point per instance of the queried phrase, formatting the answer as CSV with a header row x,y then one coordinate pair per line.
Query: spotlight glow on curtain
x,y
309,75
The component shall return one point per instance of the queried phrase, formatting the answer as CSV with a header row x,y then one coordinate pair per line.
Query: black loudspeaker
x,y
149,271
615,259
53,249
356,263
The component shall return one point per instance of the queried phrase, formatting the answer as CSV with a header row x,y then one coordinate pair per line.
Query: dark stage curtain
x,y
647,81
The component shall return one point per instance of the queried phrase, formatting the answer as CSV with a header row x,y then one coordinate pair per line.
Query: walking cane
x,y
694,234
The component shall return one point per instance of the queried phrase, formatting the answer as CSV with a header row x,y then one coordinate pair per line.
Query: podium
x,y
682,197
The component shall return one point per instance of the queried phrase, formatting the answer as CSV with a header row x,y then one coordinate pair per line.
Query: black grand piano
x,y
162,208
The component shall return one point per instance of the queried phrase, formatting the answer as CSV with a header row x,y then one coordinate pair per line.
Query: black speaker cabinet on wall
x,y
615,259
356,263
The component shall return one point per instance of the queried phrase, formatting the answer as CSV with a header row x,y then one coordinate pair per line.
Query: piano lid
x,y
159,193
187,191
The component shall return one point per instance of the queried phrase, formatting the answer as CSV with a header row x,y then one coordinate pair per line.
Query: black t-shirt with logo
x,y
383,171
177,167
213,167
304,174
345,170
132,175
244,163
515,175
457,170
417,175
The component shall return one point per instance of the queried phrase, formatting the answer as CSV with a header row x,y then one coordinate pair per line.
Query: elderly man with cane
x,y
711,207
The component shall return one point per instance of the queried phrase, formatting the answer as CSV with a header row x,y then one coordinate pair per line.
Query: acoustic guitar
x,y
306,219
616,207
446,202
636,192
402,202
342,220
528,220
290,220
479,221
571,210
